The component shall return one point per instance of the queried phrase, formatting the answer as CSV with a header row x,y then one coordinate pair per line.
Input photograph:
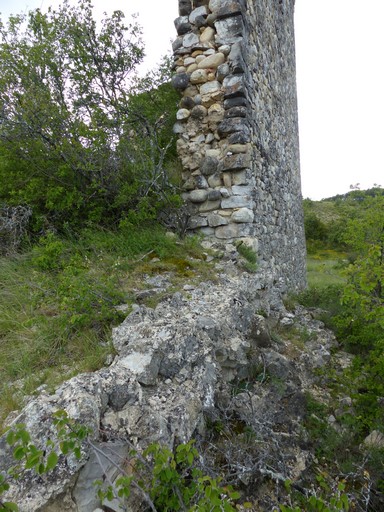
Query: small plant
x,y
249,255
165,479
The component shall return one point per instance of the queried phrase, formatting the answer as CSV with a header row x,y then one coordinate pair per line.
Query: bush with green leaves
x,y
166,480
82,138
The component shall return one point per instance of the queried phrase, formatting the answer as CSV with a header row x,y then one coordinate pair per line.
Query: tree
x,y
72,132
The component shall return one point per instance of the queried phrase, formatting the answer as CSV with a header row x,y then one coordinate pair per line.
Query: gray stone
x,y
229,30
214,195
236,58
212,61
185,7
222,71
238,101
231,231
190,39
233,85
187,102
200,11
236,162
182,114
209,166
199,112
182,25
199,76
210,88
198,196
234,124
236,202
215,180
201,183
240,137
236,112
180,81
242,215
215,220
197,222
208,206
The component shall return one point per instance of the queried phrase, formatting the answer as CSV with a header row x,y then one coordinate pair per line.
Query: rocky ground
x,y
224,363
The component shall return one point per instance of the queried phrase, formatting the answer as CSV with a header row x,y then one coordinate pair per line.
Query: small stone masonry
x,y
237,127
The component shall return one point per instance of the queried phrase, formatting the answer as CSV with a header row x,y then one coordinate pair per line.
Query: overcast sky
x,y
339,47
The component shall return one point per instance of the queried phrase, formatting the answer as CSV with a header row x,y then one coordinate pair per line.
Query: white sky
x,y
340,76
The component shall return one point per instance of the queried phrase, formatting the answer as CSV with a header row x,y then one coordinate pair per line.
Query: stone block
x,y
207,35
201,183
241,136
210,88
198,196
234,124
208,206
190,40
214,195
180,81
199,11
185,7
236,112
182,114
236,59
215,180
182,25
209,166
216,113
237,202
215,220
233,85
199,112
232,231
229,30
197,222
236,162
242,215
200,76
212,61
222,71
237,101
228,8
242,190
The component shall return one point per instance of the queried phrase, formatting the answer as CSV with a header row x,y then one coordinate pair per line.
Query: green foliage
x,y
167,480
59,300
81,137
323,499
249,255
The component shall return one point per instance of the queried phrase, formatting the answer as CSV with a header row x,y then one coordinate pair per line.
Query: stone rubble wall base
x,y
237,126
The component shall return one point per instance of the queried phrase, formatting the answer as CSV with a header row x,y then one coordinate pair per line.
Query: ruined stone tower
x,y
237,127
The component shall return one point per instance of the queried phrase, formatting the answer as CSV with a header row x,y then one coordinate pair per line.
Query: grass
x,y
325,268
58,300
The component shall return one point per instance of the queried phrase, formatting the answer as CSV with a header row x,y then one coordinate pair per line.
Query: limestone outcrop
x,y
203,353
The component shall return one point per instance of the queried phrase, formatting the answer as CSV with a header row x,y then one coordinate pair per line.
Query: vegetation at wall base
x,y
60,298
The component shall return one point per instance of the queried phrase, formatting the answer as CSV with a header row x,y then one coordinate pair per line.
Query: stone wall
x,y
237,127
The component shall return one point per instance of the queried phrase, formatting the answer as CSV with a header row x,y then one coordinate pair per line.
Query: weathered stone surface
x,y
198,196
242,215
185,7
182,114
215,220
209,166
237,202
200,76
255,84
207,35
208,206
182,25
229,30
236,112
190,39
197,222
236,58
199,11
212,61
231,231
235,102
236,162
234,124
180,81
187,102
233,85
199,112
